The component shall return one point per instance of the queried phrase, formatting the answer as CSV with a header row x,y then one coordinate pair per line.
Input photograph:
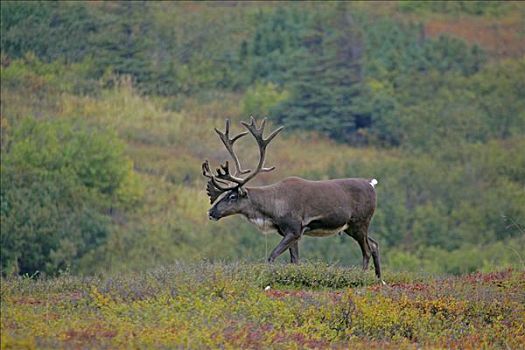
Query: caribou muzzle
x,y
213,215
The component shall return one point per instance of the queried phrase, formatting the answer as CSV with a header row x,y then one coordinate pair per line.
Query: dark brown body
x,y
295,207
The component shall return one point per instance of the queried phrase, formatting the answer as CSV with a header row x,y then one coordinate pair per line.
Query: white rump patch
x,y
373,182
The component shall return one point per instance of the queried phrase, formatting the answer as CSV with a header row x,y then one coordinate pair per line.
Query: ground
x,y
230,306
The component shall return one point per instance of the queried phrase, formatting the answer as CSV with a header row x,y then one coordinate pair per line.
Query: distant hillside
x,y
108,113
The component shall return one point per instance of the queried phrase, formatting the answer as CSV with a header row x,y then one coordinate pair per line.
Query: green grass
x,y
205,305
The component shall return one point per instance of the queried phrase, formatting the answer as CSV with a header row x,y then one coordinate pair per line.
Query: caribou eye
x,y
232,196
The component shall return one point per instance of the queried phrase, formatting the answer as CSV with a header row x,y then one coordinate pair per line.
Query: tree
x,y
59,181
326,84
50,30
123,40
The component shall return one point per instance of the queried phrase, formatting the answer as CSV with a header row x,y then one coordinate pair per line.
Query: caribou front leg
x,y
294,252
288,240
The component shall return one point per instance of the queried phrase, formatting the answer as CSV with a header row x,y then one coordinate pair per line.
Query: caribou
x,y
293,207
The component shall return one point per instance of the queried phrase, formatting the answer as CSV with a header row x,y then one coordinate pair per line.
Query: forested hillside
x,y
108,109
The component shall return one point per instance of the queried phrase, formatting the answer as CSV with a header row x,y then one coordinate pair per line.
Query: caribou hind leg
x,y
369,246
374,246
359,233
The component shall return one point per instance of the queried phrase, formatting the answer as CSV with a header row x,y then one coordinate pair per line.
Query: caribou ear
x,y
242,192
213,192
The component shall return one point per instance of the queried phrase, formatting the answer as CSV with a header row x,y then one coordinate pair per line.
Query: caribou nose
x,y
211,216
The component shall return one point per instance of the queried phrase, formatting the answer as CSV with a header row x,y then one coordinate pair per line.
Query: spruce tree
x,y
124,40
326,80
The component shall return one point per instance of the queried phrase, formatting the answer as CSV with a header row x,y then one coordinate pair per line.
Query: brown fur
x,y
295,207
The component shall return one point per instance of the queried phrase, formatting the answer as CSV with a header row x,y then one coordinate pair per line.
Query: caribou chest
x,y
264,225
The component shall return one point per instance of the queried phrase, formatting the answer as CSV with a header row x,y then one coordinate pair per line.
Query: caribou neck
x,y
261,203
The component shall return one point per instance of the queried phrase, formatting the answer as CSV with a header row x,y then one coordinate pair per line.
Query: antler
x,y
221,181
228,143
257,133
223,173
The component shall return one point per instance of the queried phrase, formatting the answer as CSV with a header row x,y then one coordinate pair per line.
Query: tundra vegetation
x,y
106,111
204,305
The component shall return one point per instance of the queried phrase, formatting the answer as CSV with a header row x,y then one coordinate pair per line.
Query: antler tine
x,y
258,134
228,143
217,182
224,174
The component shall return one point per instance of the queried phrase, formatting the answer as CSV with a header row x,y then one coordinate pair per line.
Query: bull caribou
x,y
294,206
